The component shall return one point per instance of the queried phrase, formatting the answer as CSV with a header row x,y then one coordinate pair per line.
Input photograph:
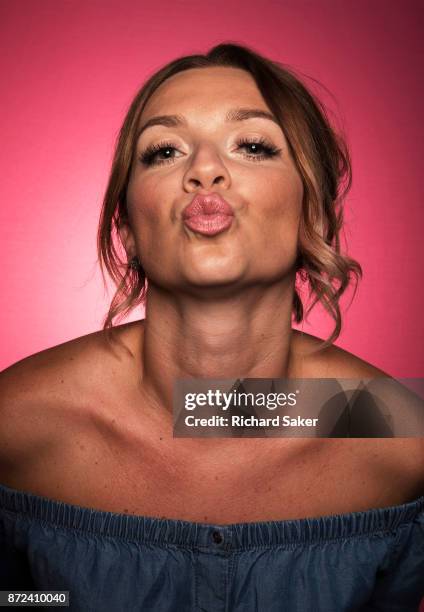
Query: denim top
x,y
361,561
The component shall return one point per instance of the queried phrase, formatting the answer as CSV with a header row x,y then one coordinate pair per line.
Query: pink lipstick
x,y
208,215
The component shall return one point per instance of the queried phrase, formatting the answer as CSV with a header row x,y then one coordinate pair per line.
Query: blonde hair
x,y
322,160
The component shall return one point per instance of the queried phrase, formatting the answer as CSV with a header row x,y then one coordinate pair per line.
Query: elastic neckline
x,y
180,532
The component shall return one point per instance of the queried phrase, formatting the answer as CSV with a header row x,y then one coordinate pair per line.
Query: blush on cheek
x,y
143,198
141,211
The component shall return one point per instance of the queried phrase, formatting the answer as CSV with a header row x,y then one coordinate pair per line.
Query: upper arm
x,y
21,390
41,395
33,393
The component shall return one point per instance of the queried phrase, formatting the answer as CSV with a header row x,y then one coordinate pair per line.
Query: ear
x,y
127,239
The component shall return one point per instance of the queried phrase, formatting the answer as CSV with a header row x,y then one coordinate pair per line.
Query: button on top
x,y
217,537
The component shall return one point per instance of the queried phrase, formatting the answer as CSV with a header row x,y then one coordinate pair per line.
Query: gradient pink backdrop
x,y
69,72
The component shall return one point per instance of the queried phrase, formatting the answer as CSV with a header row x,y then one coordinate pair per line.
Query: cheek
x,y
144,204
276,211
149,210
277,203
286,194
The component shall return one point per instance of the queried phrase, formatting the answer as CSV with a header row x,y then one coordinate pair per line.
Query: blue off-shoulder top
x,y
361,561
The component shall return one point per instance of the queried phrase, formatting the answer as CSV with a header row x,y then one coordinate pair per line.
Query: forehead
x,y
203,88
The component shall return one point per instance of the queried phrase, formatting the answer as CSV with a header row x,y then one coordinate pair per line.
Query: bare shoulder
x,y
389,393
41,394
401,455
331,361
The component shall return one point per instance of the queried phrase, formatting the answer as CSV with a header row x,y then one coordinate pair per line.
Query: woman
x,y
226,189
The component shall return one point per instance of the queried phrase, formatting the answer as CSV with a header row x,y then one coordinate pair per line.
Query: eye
x,y
152,155
258,149
162,152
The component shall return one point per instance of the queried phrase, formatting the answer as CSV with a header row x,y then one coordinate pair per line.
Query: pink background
x,y
70,70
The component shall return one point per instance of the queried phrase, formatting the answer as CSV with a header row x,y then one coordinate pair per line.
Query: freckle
x,y
61,381
269,488
96,462
125,510
160,438
82,447
216,477
205,518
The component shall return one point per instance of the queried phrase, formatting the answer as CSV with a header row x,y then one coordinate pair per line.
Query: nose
x,y
206,170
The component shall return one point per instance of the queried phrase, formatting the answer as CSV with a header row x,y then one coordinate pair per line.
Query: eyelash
x,y
148,156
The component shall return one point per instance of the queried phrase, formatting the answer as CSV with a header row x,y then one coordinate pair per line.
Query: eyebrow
x,y
234,114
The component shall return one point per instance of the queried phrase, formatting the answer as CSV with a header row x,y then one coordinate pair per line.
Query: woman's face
x,y
204,154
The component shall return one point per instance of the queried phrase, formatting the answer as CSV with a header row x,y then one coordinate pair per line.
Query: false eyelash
x,y
148,154
270,151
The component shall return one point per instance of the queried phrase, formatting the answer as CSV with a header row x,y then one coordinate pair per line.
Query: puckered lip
x,y
209,204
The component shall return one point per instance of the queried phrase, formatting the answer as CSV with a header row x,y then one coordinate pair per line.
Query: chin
x,y
203,273
210,287
216,280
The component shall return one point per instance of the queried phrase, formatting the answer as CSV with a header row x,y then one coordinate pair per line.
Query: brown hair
x,y
322,160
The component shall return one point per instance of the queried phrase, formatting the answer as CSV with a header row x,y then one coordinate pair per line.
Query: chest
x,y
235,480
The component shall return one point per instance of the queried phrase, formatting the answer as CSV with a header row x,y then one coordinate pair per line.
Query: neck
x,y
246,336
